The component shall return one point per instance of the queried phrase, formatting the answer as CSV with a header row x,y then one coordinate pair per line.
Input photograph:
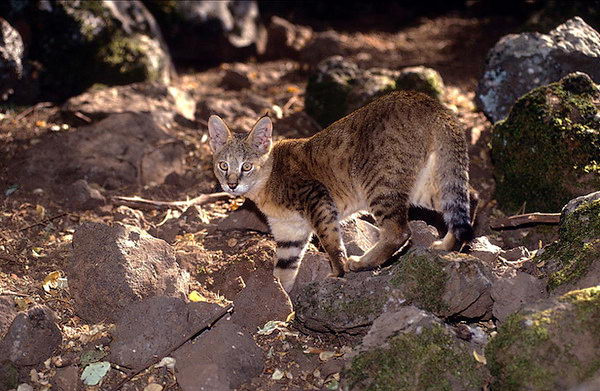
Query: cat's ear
x,y
260,136
218,133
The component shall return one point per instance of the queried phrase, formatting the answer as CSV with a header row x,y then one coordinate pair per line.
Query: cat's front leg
x,y
291,238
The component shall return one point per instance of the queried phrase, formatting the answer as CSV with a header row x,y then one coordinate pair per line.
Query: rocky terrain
x,y
123,266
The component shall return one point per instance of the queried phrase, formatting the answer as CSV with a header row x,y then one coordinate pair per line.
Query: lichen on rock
x,y
547,151
552,345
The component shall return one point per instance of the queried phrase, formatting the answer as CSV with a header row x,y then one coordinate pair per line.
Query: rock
x,y
246,217
114,266
326,44
236,114
83,197
285,39
314,267
422,234
222,358
211,32
482,248
359,236
575,203
32,337
66,379
263,299
591,385
115,42
129,216
511,293
551,345
149,328
137,97
9,375
515,254
11,59
437,358
520,62
445,284
421,79
8,311
236,77
545,153
112,153
573,262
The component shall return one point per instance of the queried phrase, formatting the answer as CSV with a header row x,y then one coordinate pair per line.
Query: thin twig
x,y
31,109
183,341
138,202
45,221
525,219
11,293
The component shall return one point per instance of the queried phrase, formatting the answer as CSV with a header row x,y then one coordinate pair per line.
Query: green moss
x,y
9,376
422,279
127,61
421,79
541,350
545,151
431,360
579,246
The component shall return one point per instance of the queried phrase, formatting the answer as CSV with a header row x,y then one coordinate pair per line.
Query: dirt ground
x,y
37,224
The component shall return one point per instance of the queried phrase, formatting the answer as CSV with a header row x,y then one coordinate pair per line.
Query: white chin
x,y
237,192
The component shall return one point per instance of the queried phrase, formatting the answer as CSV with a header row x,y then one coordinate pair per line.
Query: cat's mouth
x,y
238,191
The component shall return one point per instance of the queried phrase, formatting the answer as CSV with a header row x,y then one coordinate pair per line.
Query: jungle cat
x,y
401,149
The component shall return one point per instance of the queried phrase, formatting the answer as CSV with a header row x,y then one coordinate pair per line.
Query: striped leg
x,y
292,239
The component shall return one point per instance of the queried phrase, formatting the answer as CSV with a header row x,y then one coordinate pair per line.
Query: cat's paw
x,y
356,264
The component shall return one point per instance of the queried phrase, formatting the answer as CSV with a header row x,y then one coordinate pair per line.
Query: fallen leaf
x,y
271,326
293,89
40,210
11,190
232,242
51,281
332,384
153,387
92,356
479,357
196,297
326,355
41,123
168,362
37,252
290,317
277,375
23,303
94,373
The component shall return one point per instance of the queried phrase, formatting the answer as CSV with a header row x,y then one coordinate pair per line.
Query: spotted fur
x,y
402,149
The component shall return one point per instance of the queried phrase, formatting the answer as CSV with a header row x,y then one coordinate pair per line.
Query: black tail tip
x,y
463,232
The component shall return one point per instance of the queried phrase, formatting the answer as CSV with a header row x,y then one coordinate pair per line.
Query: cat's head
x,y
238,158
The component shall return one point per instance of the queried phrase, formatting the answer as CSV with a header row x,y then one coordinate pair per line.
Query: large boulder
x,y
8,311
114,266
79,43
410,349
210,32
552,345
32,337
285,39
573,262
11,58
446,284
546,152
338,87
520,62
121,150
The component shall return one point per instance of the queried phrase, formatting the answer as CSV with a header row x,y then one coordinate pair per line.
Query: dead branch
x,y
142,203
45,221
26,112
166,353
525,219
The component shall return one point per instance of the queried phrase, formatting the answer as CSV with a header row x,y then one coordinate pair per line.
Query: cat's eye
x,y
223,166
246,166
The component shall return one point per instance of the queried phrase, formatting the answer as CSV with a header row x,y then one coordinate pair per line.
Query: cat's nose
x,y
232,186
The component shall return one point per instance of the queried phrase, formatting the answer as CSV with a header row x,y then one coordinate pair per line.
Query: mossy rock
x,y
421,79
551,346
576,255
423,356
548,149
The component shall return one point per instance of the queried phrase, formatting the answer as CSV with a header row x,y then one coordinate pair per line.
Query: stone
x,y
211,32
9,375
326,44
11,59
422,234
67,378
359,236
519,63
32,337
263,299
445,284
516,254
285,39
149,328
575,203
222,358
121,150
129,216
573,261
83,197
236,77
8,311
148,97
549,345
246,217
115,42
513,291
412,349
421,79
314,267
482,248
114,266
545,153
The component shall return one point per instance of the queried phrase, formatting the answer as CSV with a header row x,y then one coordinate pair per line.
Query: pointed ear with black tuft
x,y
260,136
218,133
